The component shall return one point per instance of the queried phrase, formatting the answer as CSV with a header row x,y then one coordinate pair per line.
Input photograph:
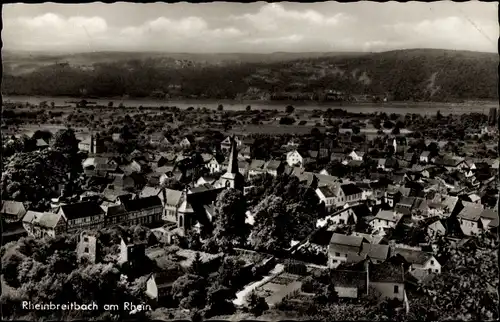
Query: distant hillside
x,y
418,74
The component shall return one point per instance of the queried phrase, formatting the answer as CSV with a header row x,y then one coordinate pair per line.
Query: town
x,y
360,216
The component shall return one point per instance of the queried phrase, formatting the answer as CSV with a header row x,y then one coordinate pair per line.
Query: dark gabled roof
x,y
340,239
13,207
344,278
386,273
142,203
81,209
116,210
470,211
489,214
413,256
350,189
327,191
375,251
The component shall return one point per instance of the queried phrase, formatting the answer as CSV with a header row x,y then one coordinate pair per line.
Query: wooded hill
x,y
416,74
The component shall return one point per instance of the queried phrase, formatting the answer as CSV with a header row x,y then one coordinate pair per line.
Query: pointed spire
x,y
233,157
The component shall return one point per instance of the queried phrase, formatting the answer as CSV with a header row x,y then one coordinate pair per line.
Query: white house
x,y
357,156
424,157
225,145
293,158
341,217
469,219
419,260
185,143
256,168
213,165
340,246
328,195
385,220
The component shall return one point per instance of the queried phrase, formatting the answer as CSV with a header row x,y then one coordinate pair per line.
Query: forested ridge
x,y
417,74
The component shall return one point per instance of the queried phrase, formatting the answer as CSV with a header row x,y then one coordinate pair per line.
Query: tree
x,y
356,129
220,107
257,305
289,109
190,291
395,130
248,108
65,141
110,104
271,228
315,132
388,124
230,227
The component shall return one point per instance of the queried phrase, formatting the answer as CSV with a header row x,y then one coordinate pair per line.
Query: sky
x,y
258,27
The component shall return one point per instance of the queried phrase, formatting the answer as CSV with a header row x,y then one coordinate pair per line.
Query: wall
x,y
350,292
386,289
469,228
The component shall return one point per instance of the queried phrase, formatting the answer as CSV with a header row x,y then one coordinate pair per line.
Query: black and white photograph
x,y
225,161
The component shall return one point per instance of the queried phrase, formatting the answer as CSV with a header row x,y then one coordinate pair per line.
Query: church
x,y
198,204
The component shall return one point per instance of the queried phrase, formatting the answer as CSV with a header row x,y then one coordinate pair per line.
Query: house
x,y
328,195
385,220
143,210
293,158
469,218
341,217
256,167
158,139
376,253
123,182
131,252
489,218
388,280
86,248
225,145
185,143
357,155
337,156
12,211
434,227
351,192
340,246
92,145
424,157
419,260
274,167
132,167
41,144
46,224
245,153
349,283
393,196
86,215
214,165
206,179
173,199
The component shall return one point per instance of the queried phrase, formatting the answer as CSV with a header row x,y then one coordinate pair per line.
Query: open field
x,y
425,108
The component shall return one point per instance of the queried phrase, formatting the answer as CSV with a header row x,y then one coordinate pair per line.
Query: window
x,y
396,289
337,254
432,262
429,270
342,221
86,250
86,239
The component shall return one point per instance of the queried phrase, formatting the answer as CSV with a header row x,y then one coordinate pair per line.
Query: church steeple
x,y
233,157
233,178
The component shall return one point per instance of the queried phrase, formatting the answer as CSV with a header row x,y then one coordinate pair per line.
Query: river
x,y
392,107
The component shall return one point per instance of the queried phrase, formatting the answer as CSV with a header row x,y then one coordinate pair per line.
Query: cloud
x,y
292,39
451,32
274,16
50,30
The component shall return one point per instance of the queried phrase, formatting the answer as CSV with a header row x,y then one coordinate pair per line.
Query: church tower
x,y
233,178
